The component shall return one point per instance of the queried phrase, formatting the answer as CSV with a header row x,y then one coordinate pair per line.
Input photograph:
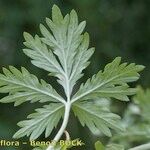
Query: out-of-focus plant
x,y
100,146
137,122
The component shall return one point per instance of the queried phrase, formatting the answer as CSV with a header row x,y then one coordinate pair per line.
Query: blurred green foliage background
x,y
116,27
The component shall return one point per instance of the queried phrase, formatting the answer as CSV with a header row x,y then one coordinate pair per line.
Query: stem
x,y
67,135
64,125
142,147
67,106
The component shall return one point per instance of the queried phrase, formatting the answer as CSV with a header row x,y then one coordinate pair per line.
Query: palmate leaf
x,y
96,117
63,51
23,86
45,119
111,83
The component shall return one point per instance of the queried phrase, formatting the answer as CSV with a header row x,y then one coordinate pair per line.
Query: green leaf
x,y
99,146
63,39
63,51
23,86
111,83
45,118
41,55
66,36
96,117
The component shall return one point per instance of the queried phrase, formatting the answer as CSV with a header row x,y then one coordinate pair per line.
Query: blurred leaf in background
x,y
136,120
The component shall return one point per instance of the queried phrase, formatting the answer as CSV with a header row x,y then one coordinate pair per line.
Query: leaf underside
x,y
111,83
44,119
63,51
96,117
23,86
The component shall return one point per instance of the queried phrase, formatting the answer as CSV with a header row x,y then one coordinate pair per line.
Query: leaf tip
x,y
27,36
15,136
118,59
55,9
140,68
